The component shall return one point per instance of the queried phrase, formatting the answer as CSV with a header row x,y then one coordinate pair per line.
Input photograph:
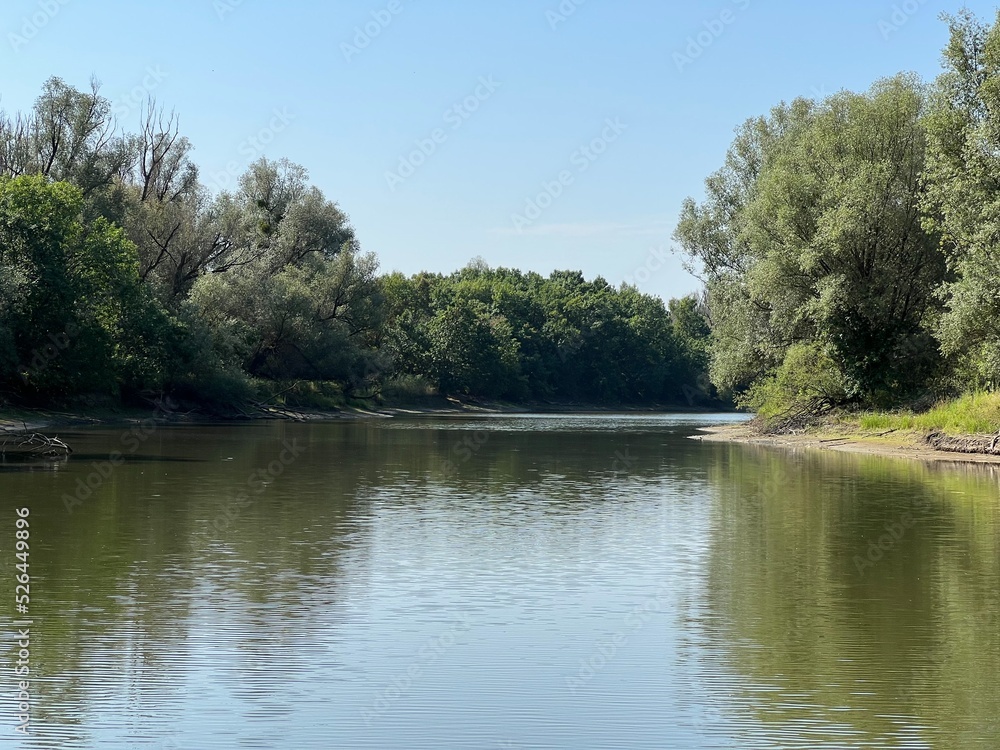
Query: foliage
x,y
812,235
864,228
848,248
264,290
963,197
70,292
808,383
502,333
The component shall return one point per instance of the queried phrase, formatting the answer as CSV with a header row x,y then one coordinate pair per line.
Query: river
x,y
528,581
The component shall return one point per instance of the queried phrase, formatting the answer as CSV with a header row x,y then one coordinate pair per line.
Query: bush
x,y
404,389
808,383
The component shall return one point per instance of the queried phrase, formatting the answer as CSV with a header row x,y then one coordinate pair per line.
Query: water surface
x,y
501,582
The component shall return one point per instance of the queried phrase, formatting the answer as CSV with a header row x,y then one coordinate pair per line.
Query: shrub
x,y
807,383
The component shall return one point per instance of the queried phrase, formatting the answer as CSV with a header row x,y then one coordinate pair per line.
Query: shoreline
x,y
904,444
893,444
25,421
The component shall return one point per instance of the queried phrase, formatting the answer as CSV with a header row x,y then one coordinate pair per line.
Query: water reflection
x,y
555,582
895,647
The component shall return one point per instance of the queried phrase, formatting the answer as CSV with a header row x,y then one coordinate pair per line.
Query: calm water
x,y
502,582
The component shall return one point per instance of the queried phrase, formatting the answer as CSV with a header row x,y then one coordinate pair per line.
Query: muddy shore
x,y
45,420
897,443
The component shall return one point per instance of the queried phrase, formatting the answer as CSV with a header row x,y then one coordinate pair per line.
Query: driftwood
x,y
794,420
277,412
269,411
985,444
34,444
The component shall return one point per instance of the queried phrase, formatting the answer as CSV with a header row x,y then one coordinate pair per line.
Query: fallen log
x,y
34,444
984,444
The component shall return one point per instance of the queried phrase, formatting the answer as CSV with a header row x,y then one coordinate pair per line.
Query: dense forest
x,y
850,247
123,277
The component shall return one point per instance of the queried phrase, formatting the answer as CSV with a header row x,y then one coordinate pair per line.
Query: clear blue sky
x,y
350,114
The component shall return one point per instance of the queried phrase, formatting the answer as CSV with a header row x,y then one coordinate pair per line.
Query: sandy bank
x,y
898,443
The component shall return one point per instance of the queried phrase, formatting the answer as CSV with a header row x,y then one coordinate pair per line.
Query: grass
x,y
975,413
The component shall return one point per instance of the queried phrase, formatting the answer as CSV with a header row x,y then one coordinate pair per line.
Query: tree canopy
x,y
854,239
122,274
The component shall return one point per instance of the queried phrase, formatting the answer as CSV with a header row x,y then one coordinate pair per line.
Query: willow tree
x,y
69,136
963,197
811,236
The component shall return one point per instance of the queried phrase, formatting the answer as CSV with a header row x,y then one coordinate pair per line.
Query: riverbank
x,y
17,421
896,443
20,421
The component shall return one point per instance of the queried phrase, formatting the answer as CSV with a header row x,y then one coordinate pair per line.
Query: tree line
x,y
850,246
122,275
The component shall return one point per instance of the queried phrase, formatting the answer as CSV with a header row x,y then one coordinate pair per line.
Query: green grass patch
x,y
974,413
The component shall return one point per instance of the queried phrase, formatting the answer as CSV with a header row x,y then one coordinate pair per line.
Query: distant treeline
x,y
851,246
122,275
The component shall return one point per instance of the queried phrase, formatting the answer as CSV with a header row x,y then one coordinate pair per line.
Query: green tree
x,y
70,290
692,332
473,351
812,234
316,321
70,136
963,196
121,272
